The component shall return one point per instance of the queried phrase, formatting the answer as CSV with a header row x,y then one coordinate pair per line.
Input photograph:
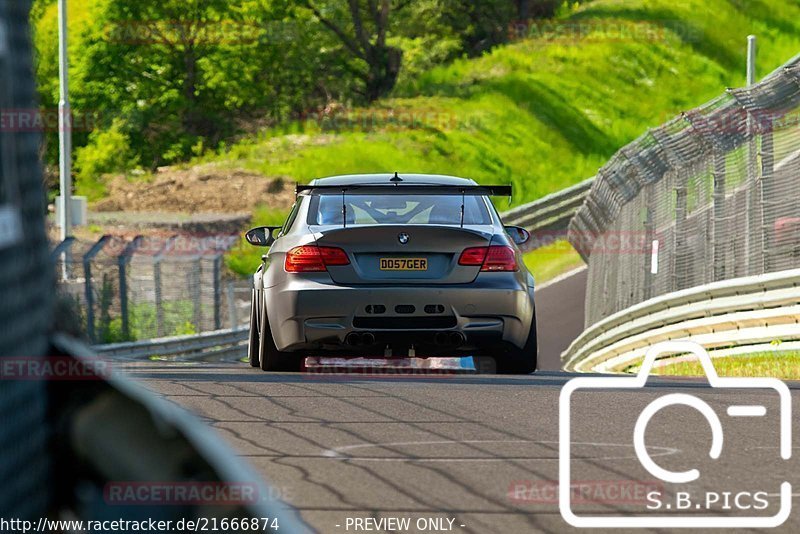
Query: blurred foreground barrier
x,y
124,452
77,441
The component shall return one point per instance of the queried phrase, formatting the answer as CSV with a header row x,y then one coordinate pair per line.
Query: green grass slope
x,y
544,112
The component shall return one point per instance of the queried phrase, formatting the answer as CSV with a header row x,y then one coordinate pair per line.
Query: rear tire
x,y
522,361
270,358
253,344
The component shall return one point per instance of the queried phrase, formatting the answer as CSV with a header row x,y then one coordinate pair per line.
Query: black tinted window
x,y
363,209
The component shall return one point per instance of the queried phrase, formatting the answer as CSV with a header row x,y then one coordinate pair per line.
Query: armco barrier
x,y
550,213
206,345
742,311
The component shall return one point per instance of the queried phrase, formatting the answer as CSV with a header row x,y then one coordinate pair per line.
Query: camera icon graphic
x,y
638,382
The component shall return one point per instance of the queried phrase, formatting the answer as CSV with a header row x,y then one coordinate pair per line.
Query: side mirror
x,y
518,235
261,236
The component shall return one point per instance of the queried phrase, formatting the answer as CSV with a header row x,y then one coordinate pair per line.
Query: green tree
x,y
153,60
174,76
182,74
481,25
362,27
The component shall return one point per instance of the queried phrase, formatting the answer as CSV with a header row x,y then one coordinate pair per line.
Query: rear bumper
x,y
307,313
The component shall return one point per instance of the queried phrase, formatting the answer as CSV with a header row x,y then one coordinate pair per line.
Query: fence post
x,y
719,220
122,263
768,200
158,297
649,236
87,283
195,289
679,268
232,313
168,245
63,252
752,177
62,248
217,291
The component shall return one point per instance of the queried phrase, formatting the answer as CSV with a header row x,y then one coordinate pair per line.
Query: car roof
x,y
358,179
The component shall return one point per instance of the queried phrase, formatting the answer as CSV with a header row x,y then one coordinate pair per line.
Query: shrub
x,y
108,151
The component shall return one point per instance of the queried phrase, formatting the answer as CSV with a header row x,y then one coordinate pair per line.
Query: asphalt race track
x,y
480,450
559,317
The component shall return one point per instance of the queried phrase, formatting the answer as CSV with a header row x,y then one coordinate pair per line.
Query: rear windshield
x,y
372,209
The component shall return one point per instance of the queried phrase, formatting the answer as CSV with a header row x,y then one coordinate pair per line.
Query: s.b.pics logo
x,y
701,443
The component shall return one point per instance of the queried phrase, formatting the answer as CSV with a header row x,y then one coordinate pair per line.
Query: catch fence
x,y
711,195
128,289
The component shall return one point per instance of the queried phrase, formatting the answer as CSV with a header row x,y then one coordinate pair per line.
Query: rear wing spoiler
x,y
409,188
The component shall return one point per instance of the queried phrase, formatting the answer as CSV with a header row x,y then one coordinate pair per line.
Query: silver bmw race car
x,y
392,266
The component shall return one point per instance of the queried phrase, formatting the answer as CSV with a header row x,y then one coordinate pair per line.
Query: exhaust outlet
x,y
368,339
440,338
457,339
352,339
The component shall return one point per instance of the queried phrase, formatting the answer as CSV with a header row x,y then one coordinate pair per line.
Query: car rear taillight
x,y
495,258
500,258
314,259
473,256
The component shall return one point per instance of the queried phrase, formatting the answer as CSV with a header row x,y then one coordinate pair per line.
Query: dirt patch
x,y
202,189
158,226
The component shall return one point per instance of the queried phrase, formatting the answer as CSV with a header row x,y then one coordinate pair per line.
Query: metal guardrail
x,y
218,344
550,213
742,311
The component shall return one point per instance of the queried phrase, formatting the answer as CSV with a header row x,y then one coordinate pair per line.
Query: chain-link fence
x,y
712,195
146,287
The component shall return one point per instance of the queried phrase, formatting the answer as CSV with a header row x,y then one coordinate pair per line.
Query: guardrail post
x,y
217,291
89,294
122,263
